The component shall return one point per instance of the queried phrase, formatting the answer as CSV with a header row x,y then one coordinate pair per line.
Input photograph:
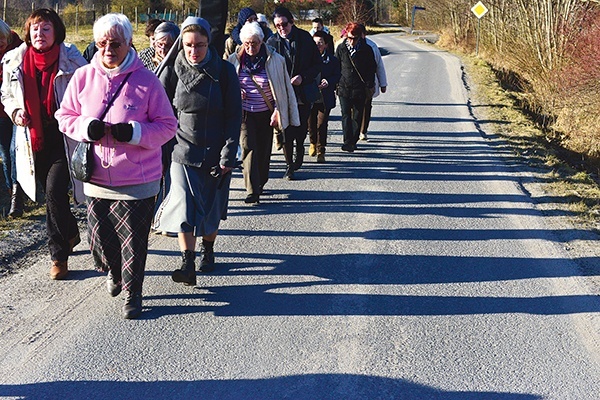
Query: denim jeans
x,y
7,151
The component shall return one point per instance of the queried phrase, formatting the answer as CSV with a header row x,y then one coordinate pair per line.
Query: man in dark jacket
x,y
304,63
357,82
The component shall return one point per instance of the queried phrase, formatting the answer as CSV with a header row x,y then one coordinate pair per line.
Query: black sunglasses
x,y
112,45
282,25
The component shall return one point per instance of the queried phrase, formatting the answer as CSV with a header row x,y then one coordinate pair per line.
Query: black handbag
x,y
310,92
82,160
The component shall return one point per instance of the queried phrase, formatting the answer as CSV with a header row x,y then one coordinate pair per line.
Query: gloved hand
x,y
96,130
122,132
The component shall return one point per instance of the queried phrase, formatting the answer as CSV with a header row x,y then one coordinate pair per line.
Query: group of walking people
x,y
168,129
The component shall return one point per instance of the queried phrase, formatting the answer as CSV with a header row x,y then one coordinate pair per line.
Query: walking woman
x,y
206,95
319,114
8,41
35,76
357,82
120,106
268,101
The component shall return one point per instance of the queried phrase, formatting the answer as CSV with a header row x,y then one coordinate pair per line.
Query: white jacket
x,y
12,92
380,76
12,83
281,87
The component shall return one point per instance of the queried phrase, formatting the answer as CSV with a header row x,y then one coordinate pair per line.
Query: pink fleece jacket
x,y
142,103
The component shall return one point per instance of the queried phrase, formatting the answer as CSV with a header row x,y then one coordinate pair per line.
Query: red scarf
x,y
47,63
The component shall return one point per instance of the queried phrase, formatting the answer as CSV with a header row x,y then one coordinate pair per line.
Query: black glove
x,y
123,132
96,130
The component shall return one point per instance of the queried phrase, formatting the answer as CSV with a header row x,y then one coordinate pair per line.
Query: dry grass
x,y
576,191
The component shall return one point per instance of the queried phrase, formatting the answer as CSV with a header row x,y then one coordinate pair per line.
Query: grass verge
x,y
560,174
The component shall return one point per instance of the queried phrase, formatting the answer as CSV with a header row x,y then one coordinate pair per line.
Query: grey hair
x,y
4,30
167,28
113,24
250,30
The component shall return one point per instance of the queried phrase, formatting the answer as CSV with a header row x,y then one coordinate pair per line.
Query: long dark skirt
x,y
118,232
196,202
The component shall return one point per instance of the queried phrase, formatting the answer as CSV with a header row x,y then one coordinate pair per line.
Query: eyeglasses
x,y
162,45
251,44
196,45
252,18
282,25
352,38
112,45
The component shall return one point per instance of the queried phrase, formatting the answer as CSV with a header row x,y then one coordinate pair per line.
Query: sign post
x,y
412,23
479,10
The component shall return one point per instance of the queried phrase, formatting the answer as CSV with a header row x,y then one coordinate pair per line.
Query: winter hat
x,y
244,14
262,18
197,21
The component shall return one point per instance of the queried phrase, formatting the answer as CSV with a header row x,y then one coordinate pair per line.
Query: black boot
x,y
298,157
207,263
16,202
187,273
133,305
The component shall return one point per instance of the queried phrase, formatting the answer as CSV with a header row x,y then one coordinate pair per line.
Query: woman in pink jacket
x,y
127,153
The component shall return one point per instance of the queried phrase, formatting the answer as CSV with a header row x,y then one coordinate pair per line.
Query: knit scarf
x,y
35,102
353,49
253,65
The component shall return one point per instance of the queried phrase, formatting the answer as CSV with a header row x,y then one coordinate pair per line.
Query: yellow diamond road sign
x,y
479,10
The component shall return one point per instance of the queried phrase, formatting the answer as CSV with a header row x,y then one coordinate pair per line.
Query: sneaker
x,y
363,136
320,158
312,150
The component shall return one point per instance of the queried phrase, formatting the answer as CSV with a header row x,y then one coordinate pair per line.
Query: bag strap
x,y
262,93
357,71
112,100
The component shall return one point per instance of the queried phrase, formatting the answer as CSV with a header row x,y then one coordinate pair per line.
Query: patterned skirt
x,y
118,232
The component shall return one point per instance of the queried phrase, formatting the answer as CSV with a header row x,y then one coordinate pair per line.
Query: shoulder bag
x,y
82,160
369,91
278,132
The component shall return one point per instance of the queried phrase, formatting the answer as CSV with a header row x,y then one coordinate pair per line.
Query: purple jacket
x,y
142,103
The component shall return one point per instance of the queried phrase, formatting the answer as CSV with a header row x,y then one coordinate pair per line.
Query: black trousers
x,y
52,172
256,139
295,137
367,115
352,115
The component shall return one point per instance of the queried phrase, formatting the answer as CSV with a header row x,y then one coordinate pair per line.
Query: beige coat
x,y
281,87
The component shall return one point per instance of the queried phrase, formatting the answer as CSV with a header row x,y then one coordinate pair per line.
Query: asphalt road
x,y
415,268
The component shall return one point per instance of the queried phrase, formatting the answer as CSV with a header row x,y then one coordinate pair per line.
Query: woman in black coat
x,y
319,114
357,82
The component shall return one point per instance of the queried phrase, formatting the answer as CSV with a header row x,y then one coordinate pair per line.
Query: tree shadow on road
x,y
297,387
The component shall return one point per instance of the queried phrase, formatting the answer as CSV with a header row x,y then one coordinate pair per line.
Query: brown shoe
x,y
58,270
74,242
320,158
